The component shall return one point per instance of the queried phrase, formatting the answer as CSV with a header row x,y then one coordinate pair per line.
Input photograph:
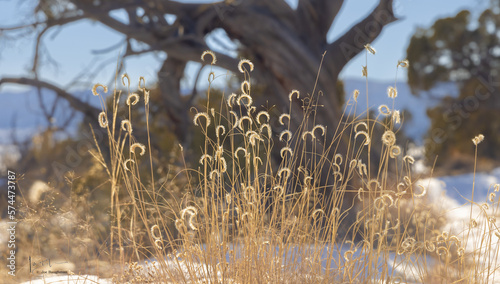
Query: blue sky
x,y
71,47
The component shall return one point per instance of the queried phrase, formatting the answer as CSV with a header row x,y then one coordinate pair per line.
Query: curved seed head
x,y
126,126
138,145
200,114
211,53
283,116
103,119
392,92
370,48
286,149
242,62
389,138
292,93
94,89
132,99
384,110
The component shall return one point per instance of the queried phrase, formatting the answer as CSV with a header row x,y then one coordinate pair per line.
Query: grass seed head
x,y
286,149
396,117
293,92
132,99
200,114
319,126
126,162
231,99
211,53
364,133
268,128
478,139
218,130
395,151
154,229
283,116
94,89
403,63
103,119
384,110
125,76
205,157
355,95
127,126
408,159
245,88
138,145
392,92
389,138
422,193
249,99
370,48
262,113
242,62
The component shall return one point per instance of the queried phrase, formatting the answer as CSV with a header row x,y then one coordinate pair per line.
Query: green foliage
x,y
455,122
465,51
428,46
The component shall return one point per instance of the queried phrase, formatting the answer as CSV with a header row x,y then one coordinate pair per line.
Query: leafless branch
x,y
74,102
50,23
194,92
110,48
352,42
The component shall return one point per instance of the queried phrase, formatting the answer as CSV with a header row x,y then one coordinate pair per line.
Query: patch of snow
x,y
68,279
459,187
418,153
4,236
37,189
9,154
454,195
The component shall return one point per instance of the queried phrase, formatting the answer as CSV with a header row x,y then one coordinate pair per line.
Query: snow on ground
x,y
68,279
9,154
453,193
458,186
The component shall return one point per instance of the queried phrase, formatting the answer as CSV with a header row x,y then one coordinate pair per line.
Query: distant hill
x,y
21,112
416,121
23,109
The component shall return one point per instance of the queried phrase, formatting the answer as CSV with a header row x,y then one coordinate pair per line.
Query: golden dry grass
x,y
242,218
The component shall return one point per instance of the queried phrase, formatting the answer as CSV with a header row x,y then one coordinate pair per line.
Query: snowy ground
x,y
8,155
453,193
68,279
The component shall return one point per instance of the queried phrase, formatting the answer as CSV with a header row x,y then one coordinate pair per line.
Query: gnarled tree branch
x,y
77,104
317,15
367,30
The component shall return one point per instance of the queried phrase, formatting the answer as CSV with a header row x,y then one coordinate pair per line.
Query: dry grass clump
x,y
323,213
245,218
